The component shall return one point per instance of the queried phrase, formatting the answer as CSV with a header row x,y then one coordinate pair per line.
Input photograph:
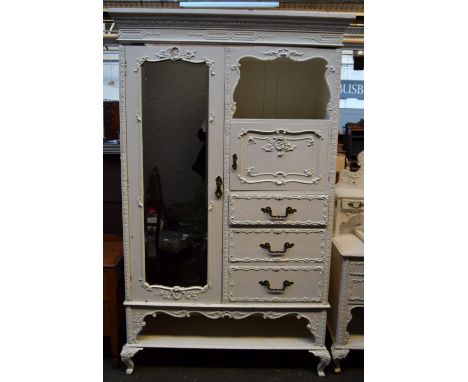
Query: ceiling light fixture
x,y
229,4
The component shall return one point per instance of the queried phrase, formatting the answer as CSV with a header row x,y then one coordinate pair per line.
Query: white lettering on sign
x,y
352,89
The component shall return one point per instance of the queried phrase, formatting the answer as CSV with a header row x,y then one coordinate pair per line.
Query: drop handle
x,y
281,252
234,162
266,284
360,205
289,210
218,191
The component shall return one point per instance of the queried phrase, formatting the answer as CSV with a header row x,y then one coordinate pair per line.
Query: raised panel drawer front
x,y
278,209
356,268
275,283
356,289
279,154
277,245
352,204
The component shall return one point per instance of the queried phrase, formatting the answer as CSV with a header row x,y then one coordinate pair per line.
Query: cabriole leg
x,y
337,356
127,354
324,360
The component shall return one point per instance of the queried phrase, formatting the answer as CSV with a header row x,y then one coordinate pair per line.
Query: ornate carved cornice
x,y
230,19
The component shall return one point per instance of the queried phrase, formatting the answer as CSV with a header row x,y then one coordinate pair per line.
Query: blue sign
x,y
352,89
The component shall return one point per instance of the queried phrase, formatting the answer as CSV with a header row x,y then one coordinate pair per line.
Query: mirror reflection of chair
x,y
156,202
170,244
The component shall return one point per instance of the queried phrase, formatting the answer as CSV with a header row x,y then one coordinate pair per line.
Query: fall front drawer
x,y
276,245
278,209
275,283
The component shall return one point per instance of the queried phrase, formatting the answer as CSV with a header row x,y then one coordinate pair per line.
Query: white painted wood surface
x,y
297,163
347,266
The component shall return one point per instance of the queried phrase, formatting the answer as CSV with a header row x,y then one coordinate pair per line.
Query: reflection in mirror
x,y
282,89
174,115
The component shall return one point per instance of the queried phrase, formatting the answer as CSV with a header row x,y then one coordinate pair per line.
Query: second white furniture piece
x,y
349,191
346,316
346,297
240,255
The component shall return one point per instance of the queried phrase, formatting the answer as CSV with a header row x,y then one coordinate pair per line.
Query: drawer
x,y
356,268
276,245
280,154
356,290
352,204
271,284
283,209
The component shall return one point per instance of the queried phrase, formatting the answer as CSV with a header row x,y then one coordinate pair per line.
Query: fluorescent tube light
x,y
229,4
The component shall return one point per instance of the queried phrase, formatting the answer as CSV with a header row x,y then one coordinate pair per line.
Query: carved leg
x,y
127,354
324,360
337,356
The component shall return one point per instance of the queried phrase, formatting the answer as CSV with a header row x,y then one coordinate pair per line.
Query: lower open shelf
x,y
227,333
356,341
226,342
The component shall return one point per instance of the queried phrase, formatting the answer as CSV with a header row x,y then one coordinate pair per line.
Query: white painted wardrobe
x,y
228,143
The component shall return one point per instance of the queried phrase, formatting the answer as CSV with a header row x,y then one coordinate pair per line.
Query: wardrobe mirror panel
x,y
174,138
282,89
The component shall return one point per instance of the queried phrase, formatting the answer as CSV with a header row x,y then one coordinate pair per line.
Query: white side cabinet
x,y
346,316
228,145
346,297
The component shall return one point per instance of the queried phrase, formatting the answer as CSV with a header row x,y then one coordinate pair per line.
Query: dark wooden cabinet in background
x,y
112,202
354,138
111,120
113,292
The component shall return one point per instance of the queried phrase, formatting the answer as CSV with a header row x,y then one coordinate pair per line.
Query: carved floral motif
x,y
174,53
313,325
280,143
283,53
176,292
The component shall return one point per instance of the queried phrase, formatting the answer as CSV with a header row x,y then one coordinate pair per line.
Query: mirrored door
x,y
179,194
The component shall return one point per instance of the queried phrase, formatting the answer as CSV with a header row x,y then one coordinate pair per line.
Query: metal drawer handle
x,y
234,161
360,205
266,284
277,253
218,191
289,210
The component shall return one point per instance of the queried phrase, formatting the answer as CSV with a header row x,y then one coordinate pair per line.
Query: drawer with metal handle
x,y
278,245
352,204
276,210
270,284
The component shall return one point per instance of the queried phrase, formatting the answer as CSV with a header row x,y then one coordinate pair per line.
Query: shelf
x,y
226,342
200,332
355,342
